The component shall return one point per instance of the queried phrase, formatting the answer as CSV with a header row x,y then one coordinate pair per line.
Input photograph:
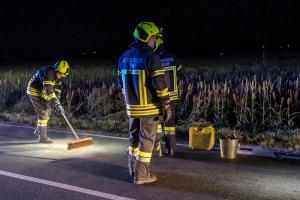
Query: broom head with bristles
x,y
80,143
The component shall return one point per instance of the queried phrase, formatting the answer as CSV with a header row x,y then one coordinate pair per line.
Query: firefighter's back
x,y
139,95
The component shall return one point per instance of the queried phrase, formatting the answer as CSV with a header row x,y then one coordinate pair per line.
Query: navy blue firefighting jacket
x,y
45,84
142,80
171,66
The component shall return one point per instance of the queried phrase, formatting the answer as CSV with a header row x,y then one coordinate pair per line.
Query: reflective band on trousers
x,y
145,154
135,154
166,128
169,128
143,159
42,122
159,130
133,151
169,132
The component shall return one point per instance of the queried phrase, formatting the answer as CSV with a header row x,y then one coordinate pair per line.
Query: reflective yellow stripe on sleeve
x,y
162,93
33,91
172,98
157,73
49,83
52,95
57,90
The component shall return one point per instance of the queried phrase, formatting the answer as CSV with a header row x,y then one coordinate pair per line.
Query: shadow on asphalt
x,y
17,143
188,184
24,156
208,182
214,157
97,168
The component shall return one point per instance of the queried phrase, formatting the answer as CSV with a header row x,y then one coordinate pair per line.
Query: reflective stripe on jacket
x,y
171,65
142,80
45,84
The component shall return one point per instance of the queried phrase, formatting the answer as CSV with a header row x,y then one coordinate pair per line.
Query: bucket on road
x,y
228,148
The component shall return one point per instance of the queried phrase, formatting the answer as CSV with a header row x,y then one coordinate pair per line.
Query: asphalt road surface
x,y
29,171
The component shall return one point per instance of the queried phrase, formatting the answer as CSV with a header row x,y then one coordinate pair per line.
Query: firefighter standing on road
x,y
143,83
171,66
43,89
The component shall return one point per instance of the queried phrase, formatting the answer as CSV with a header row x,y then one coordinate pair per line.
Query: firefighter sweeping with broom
x,y
43,89
142,80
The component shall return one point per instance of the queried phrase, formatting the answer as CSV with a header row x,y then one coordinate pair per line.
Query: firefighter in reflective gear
x,y
171,66
142,80
43,89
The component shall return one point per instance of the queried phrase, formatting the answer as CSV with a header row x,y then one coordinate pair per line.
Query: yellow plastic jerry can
x,y
201,137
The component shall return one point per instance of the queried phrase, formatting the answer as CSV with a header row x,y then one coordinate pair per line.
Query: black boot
x,y
167,139
142,174
46,140
43,136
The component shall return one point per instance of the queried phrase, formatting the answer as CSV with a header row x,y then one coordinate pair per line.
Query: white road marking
x,y
64,186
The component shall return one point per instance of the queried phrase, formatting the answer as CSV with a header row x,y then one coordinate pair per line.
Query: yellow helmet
x,y
62,67
159,41
145,30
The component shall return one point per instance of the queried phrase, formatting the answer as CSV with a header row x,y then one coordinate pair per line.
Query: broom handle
x,y
70,126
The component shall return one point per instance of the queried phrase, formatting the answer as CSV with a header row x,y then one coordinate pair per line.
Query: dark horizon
x,y
90,29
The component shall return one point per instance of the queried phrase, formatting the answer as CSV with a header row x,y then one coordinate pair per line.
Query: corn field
x,y
245,97
250,97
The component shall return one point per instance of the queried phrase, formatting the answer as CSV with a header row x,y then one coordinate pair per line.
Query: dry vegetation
x,y
259,100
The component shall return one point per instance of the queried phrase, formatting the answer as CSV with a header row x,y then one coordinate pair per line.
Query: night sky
x,y
46,29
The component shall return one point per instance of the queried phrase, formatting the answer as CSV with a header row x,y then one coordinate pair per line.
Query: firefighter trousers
x,y
167,130
43,109
142,133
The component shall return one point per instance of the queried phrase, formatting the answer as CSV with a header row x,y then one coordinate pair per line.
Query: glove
x,y
167,113
59,106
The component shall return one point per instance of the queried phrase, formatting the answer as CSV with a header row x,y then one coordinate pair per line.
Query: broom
x,y
78,142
